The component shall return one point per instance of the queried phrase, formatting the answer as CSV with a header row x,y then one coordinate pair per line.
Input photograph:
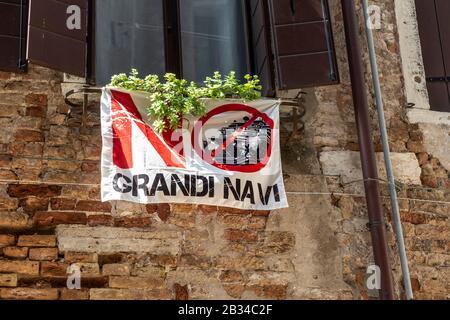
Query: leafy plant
x,y
174,97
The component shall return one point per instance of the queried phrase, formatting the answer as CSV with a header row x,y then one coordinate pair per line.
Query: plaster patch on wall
x,y
348,166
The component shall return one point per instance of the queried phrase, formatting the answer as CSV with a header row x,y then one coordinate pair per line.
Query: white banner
x,y
230,157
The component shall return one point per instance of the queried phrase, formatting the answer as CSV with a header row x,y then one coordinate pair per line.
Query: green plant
x,y
174,97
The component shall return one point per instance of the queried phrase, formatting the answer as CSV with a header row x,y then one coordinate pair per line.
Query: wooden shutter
x,y
303,43
51,43
432,18
261,45
13,34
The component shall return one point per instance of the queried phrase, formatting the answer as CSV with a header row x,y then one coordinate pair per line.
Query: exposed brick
x,y
130,294
8,204
27,135
33,204
93,206
54,269
7,240
414,218
151,208
415,284
227,210
95,220
27,190
87,282
43,254
133,222
8,280
19,267
36,99
85,257
181,292
53,218
231,276
89,167
15,252
110,258
264,213
63,204
148,271
163,211
29,294
164,260
39,112
203,209
423,158
234,290
116,269
135,282
278,242
195,261
275,291
88,269
68,294
37,241
15,221
241,235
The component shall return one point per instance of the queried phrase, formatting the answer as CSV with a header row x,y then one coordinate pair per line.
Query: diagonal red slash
x,y
234,136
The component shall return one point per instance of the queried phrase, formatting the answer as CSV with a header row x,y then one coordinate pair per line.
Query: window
x,y
432,18
13,35
288,43
128,34
213,38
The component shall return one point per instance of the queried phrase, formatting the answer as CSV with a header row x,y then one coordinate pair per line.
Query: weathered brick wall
x,y
51,216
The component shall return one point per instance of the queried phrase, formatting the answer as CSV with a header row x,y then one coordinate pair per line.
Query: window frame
x,y
172,39
426,77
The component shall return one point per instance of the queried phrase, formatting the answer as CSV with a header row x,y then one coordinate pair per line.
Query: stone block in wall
x,y
162,240
347,164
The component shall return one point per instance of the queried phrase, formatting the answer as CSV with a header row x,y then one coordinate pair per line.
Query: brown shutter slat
x,y
262,55
443,14
51,43
303,43
432,52
12,40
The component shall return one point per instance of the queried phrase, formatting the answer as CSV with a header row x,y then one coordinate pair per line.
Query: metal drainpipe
x,y
367,152
387,156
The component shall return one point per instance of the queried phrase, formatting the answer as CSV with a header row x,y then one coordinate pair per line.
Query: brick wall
x,y
51,216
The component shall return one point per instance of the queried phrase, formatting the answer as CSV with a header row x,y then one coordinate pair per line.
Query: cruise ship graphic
x,y
249,148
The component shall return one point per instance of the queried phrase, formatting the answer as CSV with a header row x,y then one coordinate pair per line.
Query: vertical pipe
x,y
387,157
367,152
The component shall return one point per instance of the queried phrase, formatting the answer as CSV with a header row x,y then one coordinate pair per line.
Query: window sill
x,y
417,115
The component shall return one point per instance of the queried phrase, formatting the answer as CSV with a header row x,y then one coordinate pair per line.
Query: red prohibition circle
x,y
229,108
